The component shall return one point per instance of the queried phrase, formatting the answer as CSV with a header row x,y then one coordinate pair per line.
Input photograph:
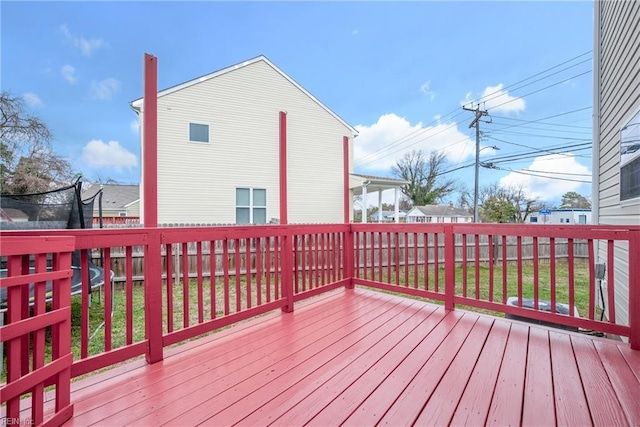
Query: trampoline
x,y
62,208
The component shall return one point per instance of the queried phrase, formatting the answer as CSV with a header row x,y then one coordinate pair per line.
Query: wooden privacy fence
x,y
489,248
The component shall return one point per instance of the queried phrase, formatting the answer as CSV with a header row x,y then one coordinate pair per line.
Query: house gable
x,y
198,182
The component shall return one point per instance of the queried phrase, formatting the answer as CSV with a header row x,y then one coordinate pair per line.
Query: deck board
x,y
570,401
538,395
473,407
365,358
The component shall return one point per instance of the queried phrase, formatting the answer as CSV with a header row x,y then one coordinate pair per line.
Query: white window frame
x,y
201,124
251,205
625,123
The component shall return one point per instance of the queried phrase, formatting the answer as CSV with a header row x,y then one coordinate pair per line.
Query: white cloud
x,y
86,46
541,186
69,73
425,88
98,154
32,100
104,89
135,126
497,100
378,146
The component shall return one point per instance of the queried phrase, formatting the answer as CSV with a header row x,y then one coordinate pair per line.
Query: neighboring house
x,y
616,130
387,216
218,149
438,214
117,200
561,216
364,185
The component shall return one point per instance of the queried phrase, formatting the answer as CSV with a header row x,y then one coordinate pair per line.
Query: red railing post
x,y
449,267
153,295
285,269
349,251
634,289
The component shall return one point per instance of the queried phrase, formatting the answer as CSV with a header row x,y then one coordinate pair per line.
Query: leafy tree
x,y
573,200
498,209
27,164
493,201
423,173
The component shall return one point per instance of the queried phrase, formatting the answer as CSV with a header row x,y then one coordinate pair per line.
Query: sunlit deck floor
x,y
365,358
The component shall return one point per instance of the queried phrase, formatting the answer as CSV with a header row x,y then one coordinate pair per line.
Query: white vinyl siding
x,y
197,182
617,97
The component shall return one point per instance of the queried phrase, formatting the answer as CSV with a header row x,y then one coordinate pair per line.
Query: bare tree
x,y
27,164
424,174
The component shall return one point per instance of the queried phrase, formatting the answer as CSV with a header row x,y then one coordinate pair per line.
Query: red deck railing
x,y
173,284
38,269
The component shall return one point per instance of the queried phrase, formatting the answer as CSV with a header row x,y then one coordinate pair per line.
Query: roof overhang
x,y
373,183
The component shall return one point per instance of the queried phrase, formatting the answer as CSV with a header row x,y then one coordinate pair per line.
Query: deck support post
x,y
345,175
634,289
287,250
449,267
150,142
153,296
152,251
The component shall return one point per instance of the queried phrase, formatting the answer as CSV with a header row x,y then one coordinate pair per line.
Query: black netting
x,y
57,209
50,210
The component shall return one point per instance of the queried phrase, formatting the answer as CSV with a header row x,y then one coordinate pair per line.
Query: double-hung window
x,y
251,206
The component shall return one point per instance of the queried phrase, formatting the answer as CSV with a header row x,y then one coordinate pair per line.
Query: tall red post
x,y
150,141
284,218
345,162
287,250
348,237
152,252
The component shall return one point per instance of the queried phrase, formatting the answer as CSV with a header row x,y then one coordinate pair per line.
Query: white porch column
x,y
380,206
364,203
397,207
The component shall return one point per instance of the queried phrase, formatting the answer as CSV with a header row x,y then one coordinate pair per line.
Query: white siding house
x,y
438,214
561,216
616,166
218,149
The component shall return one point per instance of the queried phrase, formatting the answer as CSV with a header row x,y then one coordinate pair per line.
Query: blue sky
x,y
389,69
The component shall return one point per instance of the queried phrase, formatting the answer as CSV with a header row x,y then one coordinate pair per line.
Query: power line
x,y
500,93
542,176
535,75
373,156
540,90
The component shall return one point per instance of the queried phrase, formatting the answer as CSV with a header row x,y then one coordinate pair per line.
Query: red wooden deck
x,y
362,358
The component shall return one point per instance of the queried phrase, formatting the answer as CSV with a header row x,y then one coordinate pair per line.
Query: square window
x,y
198,132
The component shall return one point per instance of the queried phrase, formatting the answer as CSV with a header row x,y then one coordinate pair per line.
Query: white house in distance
x,y
616,131
438,214
561,216
218,149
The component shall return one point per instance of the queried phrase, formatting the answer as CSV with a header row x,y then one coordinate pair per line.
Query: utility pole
x,y
476,122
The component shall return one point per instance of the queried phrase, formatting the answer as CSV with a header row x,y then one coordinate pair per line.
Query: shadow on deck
x,y
360,357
